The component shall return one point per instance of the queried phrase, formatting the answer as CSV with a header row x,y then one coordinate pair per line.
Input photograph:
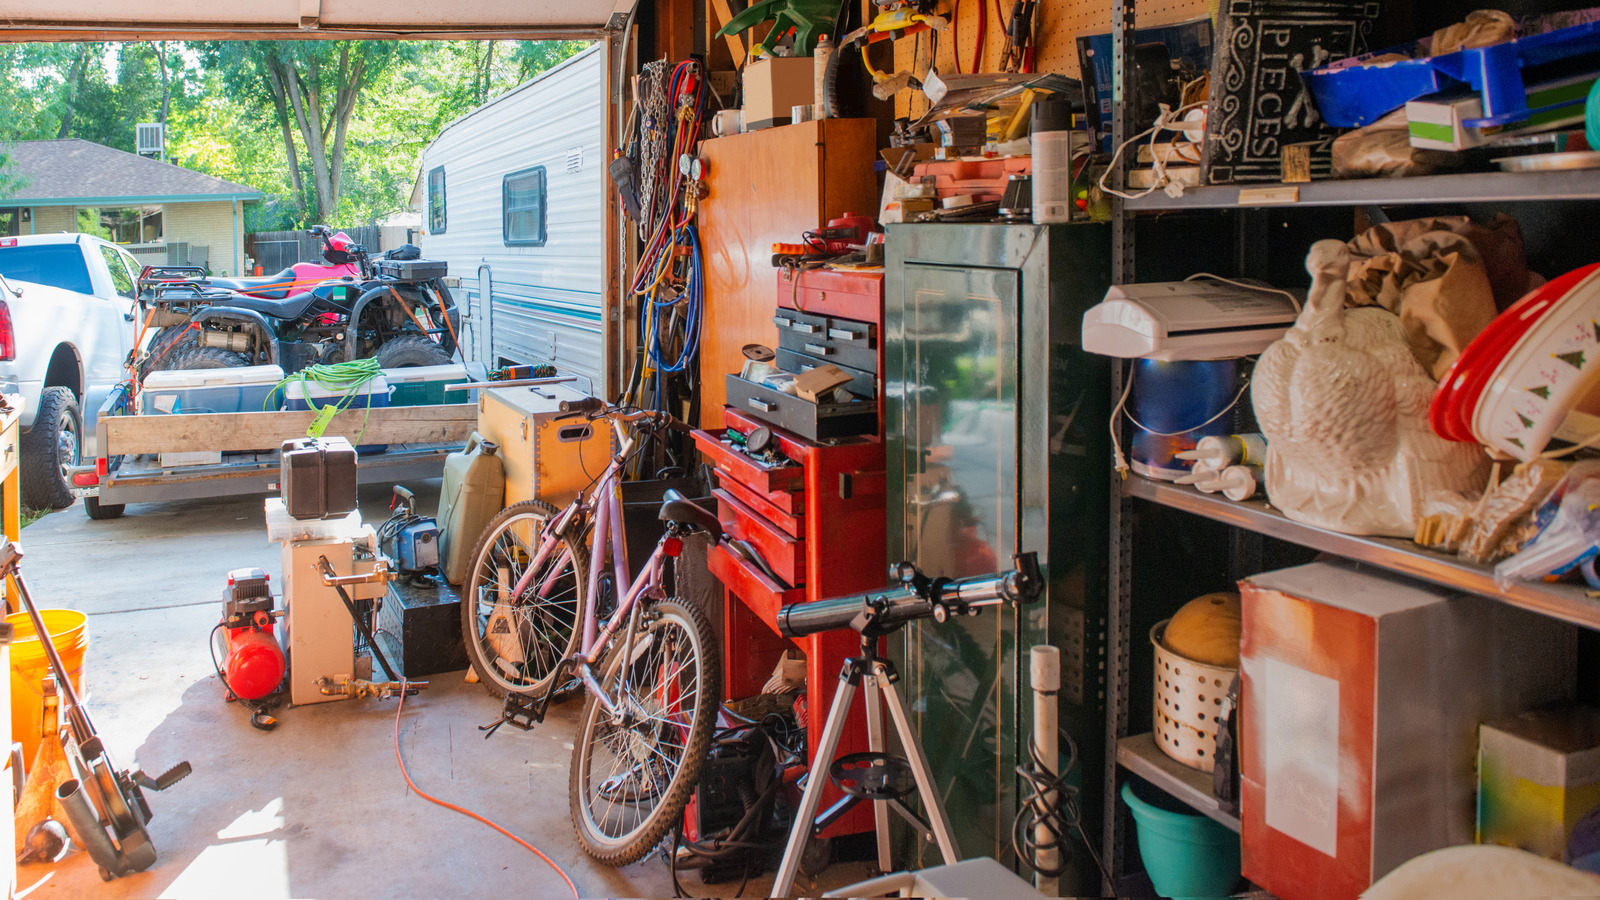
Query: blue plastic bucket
x,y
1178,403
1185,853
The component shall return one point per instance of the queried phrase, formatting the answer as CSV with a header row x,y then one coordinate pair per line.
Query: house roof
x,y
77,172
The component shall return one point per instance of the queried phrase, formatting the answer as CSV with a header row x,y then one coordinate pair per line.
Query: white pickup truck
x,y
71,299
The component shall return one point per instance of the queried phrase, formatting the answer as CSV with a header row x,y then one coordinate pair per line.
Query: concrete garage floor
x,y
316,808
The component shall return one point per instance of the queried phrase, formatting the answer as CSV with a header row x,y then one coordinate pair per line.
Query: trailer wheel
x,y
411,350
196,357
52,446
98,510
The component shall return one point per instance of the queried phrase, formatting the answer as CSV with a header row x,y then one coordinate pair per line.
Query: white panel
x,y
1300,753
377,14
542,296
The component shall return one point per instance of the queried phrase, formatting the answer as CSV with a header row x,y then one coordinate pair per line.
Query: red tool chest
x,y
819,524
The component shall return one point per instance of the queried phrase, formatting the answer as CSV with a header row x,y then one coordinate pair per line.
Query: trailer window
x,y
436,220
522,199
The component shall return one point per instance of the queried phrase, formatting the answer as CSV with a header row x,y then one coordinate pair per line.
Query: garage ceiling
x,y
89,20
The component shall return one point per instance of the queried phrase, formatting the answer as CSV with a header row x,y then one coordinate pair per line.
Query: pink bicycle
x,y
530,611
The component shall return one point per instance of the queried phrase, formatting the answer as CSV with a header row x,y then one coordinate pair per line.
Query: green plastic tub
x,y
1185,853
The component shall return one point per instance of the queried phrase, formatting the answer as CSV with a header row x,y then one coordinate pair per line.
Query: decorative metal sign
x,y
1258,104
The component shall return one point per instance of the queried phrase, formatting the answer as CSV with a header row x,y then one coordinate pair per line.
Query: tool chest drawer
x,y
792,525
831,292
815,421
759,594
779,485
843,341
862,382
784,555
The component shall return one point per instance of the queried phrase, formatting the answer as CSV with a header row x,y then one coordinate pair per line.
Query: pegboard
x,y
1057,30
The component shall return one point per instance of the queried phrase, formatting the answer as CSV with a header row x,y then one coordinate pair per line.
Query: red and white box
x,y
1362,696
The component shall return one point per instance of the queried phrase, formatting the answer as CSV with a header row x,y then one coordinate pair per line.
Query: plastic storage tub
x,y
1350,94
1185,853
372,395
424,385
244,389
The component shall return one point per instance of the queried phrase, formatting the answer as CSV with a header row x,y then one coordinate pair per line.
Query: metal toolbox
x,y
412,269
829,292
815,421
419,626
845,342
862,382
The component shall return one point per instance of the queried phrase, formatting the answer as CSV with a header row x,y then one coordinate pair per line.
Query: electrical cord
x,y
461,809
1165,121
345,379
1060,816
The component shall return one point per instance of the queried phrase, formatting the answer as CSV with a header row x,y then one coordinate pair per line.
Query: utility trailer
x,y
130,469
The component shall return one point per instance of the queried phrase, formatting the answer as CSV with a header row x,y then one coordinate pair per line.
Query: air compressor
x,y
254,662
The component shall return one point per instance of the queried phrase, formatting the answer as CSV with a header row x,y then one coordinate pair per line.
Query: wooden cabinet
x,y
768,187
547,455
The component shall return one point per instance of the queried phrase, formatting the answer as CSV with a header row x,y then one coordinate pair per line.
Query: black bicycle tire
x,y
666,815
469,607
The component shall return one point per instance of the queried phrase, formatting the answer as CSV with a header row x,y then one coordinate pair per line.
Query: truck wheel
x,y
206,358
52,446
98,510
411,350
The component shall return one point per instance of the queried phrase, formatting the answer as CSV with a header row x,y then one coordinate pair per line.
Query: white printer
x,y
1186,320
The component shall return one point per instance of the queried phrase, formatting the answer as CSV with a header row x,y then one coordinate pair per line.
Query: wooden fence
x,y
275,251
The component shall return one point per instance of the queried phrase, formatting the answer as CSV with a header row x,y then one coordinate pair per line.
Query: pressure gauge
x,y
697,169
759,440
685,163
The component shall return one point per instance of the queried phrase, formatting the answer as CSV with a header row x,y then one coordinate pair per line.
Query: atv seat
x,y
290,307
678,510
256,285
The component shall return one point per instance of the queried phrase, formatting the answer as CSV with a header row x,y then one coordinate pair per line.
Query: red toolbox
x,y
819,525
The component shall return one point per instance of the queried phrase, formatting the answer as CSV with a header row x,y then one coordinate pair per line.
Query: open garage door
x,y
108,20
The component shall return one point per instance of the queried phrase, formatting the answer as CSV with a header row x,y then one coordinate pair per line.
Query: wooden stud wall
x,y
1055,36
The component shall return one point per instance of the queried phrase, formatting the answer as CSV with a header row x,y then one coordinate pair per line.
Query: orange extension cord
x,y
464,811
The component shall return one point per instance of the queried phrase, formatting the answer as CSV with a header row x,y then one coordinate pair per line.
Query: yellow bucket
x,y
69,631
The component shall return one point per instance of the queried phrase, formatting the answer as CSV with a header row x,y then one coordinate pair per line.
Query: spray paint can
x,y
819,75
1051,140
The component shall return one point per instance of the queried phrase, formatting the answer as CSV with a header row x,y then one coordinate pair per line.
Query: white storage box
x,y
243,389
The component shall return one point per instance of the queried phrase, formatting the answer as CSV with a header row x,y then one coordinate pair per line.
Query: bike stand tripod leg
x,y
880,808
806,814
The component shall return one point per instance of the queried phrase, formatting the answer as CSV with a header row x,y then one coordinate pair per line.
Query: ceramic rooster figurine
x,y
1344,406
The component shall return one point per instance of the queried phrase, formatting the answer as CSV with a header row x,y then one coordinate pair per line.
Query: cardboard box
x,y
1538,777
1362,696
1435,121
773,86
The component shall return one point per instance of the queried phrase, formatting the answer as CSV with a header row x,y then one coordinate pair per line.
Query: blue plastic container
x,y
1184,853
1178,403
1350,95
372,395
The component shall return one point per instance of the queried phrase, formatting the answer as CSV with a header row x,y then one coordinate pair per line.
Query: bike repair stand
x,y
875,775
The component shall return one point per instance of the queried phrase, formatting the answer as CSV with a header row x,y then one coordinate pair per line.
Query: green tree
x,y
316,85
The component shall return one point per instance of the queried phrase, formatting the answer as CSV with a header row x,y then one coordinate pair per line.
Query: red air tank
x,y
255,662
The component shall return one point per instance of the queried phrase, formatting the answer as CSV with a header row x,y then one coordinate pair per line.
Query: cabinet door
x,y
953,348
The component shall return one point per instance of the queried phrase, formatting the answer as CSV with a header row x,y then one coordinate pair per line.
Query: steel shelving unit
x,y
1138,754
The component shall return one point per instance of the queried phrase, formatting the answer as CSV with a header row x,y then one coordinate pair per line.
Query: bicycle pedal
x,y
520,711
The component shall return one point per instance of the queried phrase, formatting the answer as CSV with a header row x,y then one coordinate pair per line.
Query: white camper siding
x,y
547,302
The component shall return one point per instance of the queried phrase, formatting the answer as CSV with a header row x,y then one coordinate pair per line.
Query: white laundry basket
x,y
1188,702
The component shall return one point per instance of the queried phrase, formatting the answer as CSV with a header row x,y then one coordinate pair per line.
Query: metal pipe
x,y
516,382
86,828
1044,676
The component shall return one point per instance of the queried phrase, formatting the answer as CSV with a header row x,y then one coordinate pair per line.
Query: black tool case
x,y
412,269
419,626
317,477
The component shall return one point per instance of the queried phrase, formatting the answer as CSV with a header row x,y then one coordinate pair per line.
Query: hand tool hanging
x,y
101,796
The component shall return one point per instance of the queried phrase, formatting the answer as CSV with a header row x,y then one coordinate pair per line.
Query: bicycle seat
x,y
676,508
290,307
